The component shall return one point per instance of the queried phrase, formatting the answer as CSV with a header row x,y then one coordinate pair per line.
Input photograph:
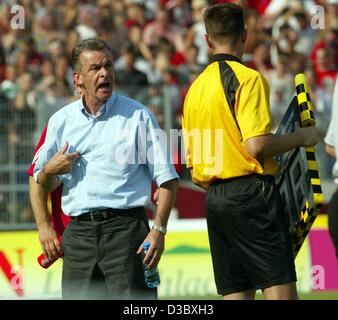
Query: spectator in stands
x,y
5,18
142,51
161,27
195,33
63,73
261,58
69,11
23,121
179,12
155,103
56,47
8,87
324,68
88,22
331,14
34,57
21,64
306,34
329,43
2,61
46,27
73,37
135,15
47,78
281,90
129,75
190,69
255,34
21,126
8,92
116,39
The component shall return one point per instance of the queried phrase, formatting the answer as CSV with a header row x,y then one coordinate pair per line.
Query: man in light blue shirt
x,y
106,149
331,147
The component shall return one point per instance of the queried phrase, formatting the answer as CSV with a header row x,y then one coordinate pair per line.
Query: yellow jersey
x,y
227,104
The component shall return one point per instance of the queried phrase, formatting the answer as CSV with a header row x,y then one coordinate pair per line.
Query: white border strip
x,y
186,225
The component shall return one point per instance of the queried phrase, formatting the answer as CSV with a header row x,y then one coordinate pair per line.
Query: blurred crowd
x,y
161,42
155,43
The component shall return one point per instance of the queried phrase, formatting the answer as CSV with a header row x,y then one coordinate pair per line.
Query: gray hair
x,y
87,44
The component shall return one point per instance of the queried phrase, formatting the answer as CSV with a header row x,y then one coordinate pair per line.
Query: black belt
x,y
109,213
250,176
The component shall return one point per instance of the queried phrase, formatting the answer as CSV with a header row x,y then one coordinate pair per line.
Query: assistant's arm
x,y
266,146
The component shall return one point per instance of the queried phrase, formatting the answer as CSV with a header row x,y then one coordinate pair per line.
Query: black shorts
x,y
248,234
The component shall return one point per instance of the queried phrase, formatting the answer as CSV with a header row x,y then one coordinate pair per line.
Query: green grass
x,y
329,295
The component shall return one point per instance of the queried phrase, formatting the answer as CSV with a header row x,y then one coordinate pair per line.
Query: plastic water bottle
x,y
151,276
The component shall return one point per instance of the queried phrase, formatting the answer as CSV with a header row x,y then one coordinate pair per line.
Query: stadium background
x,y
159,48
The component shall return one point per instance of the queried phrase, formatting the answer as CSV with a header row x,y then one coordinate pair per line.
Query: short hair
x,y
224,21
92,44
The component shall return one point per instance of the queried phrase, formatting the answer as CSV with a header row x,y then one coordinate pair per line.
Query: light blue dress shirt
x,y
122,149
331,137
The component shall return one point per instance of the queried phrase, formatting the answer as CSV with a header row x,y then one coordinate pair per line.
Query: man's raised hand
x,y
62,162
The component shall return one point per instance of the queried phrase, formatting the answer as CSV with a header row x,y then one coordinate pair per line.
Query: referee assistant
x,y
227,134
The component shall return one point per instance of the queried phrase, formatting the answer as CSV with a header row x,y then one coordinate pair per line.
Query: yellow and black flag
x,y
298,177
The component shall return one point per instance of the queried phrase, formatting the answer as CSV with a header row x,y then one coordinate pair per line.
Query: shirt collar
x,y
102,111
224,56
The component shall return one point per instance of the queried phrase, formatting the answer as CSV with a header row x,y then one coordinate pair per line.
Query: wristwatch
x,y
163,230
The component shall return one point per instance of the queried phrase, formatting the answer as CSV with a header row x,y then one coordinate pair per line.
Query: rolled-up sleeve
x,y
158,153
331,135
48,150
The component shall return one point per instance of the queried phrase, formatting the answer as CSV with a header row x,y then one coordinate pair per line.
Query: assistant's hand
x,y
49,241
61,162
309,136
155,251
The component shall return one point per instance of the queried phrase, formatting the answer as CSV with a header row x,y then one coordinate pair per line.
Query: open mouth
x,y
103,85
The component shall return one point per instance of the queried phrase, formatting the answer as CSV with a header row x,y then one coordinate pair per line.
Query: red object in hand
x,y
44,262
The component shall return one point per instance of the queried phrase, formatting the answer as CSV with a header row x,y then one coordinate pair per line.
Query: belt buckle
x,y
100,215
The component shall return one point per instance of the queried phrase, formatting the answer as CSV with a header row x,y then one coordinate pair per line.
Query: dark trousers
x,y
100,260
333,220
